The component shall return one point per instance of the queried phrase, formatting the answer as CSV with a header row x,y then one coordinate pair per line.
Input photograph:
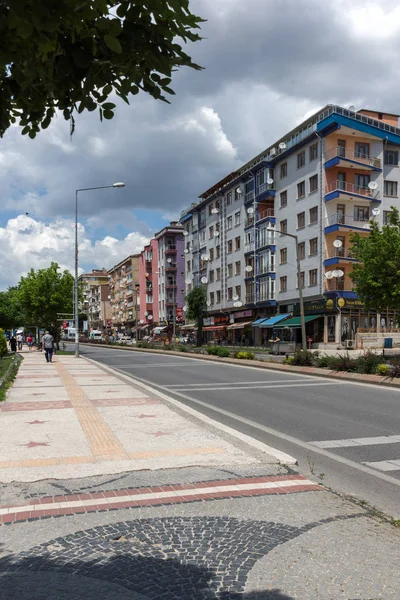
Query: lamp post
x,y
302,319
118,184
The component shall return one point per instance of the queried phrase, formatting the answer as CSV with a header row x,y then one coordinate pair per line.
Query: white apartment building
x,y
321,182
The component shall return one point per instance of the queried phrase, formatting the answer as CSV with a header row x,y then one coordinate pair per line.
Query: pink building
x,y
148,285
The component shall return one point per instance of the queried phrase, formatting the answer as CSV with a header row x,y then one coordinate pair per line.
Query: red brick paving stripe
x,y
36,405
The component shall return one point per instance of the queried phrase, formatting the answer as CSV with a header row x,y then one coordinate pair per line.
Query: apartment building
x,y
320,182
148,287
123,281
171,273
98,311
89,284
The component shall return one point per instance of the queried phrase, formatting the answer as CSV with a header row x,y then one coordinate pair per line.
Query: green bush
x,y
323,362
218,351
302,358
383,369
394,370
3,344
288,360
368,363
244,354
343,362
183,349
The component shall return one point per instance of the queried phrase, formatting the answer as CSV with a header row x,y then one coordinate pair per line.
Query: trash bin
x,y
388,343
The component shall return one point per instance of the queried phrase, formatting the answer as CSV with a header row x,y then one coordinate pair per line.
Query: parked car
x,y
126,339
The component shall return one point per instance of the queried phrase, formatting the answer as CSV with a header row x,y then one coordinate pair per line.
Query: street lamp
x,y
118,184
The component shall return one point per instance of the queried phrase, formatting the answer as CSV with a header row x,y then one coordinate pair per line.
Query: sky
x,y
268,64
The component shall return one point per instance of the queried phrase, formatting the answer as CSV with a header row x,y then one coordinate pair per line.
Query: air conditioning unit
x,y
272,152
350,344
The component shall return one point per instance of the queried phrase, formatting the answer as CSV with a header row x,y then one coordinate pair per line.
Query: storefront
x,y
263,329
239,330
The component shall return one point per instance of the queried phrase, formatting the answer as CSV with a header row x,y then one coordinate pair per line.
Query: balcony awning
x,y
295,322
239,325
272,321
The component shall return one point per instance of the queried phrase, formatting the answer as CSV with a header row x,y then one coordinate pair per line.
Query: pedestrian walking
x,y
20,340
29,341
13,344
47,344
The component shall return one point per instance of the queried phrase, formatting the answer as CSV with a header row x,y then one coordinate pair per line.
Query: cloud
x,y
26,243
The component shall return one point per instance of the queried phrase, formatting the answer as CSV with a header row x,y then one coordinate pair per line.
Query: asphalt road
x,y
343,434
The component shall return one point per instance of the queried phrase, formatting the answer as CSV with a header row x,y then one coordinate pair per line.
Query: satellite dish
x,y
204,280
206,257
185,232
352,108
235,297
282,146
237,304
335,273
188,281
270,180
329,274
184,308
376,211
340,273
203,257
338,243
186,251
250,210
373,185
215,211
150,317
248,268
239,191
216,234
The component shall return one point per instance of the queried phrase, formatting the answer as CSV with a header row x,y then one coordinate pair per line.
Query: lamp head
x,y
118,184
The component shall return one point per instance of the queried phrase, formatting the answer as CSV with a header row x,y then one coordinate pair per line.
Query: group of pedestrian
x,y
17,342
47,344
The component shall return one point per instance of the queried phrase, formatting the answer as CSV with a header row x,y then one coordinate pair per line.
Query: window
x,y
283,259
314,246
302,250
238,290
313,152
203,236
229,198
301,159
386,214
390,188
313,215
283,226
238,266
218,274
237,243
217,226
229,246
283,284
361,213
361,150
218,251
210,209
361,181
217,204
211,232
188,266
313,183
212,298
283,199
302,279
230,270
211,276
229,223
391,157
230,293
301,220
211,254
218,296
283,171
237,219
248,238
237,193
313,277
301,189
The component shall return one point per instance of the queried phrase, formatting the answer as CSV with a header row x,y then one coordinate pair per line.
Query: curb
x,y
280,457
13,365
313,371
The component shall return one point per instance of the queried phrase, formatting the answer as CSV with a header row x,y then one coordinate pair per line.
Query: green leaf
x,y
113,43
24,29
25,130
108,106
108,114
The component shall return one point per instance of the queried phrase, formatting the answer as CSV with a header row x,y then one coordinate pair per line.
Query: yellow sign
x,y
329,305
341,302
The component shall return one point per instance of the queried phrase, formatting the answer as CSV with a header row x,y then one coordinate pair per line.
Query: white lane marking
x,y
368,441
204,388
384,465
174,386
139,365
241,487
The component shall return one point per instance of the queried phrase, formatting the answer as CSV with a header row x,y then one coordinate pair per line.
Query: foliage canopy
x,y
196,301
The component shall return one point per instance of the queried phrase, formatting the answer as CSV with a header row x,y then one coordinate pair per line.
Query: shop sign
x,y
220,319
242,314
207,321
312,307
350,303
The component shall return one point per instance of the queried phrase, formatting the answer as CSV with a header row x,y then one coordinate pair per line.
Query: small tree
x,y
196,301
377,276
3,344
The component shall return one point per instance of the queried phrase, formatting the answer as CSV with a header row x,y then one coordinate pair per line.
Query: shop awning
x,y
295,322
259,321
214,327
239,325
272,321
144,327
188,326
158,330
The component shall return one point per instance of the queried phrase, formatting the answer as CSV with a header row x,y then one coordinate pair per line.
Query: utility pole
x,y
137,289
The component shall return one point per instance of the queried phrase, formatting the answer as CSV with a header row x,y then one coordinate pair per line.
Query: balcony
x,y
347,191
339,156
149,306
249,221
268,213
249,247
171,249
266,268
339,285
170,286
249,298
170,301
265,190
341,222
338,255
249,197
170,267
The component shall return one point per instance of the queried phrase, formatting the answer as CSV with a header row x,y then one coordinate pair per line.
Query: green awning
x,y
296,321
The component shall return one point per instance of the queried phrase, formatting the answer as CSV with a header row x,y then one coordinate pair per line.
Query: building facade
x,y
148,287
171,273
321,182
89,284
123,282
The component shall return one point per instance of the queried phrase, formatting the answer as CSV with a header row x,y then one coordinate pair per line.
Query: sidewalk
x,y
108,490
